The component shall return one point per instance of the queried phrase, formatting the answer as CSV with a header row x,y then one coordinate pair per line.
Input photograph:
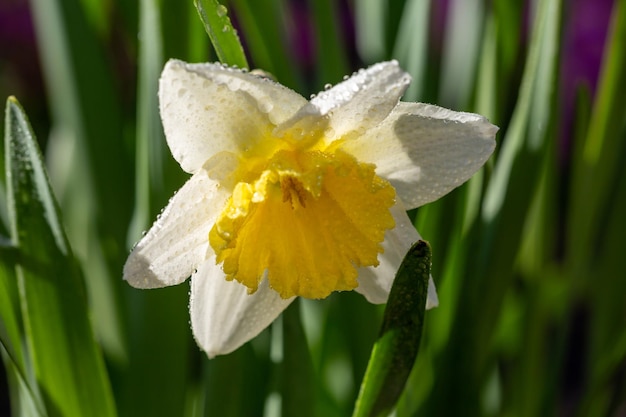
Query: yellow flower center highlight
x,y
310,219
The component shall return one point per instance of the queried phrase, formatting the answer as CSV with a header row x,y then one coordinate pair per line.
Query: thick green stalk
x,y
398,343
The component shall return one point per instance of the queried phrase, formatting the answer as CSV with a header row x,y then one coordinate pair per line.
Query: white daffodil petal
x,y
425,151
375,282
177,242
354,105
210,108
433,300
223,315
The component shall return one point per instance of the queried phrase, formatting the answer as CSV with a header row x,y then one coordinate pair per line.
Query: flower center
x,y
293,191
308,220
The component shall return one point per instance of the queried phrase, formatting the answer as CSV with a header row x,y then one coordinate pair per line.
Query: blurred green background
x,y
528,256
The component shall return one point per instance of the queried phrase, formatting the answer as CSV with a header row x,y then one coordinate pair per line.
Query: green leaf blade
x,y
298,383
67,363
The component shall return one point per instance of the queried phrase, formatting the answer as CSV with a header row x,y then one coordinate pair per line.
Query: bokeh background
x,y
528,256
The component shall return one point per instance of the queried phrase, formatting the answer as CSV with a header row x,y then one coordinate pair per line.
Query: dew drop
x,y
312,96
327,86
225,28
221,10
265,106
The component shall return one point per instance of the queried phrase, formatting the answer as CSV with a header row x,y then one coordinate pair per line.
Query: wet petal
x,y
223,315
210,108
352,107
426,151
177,242
375,282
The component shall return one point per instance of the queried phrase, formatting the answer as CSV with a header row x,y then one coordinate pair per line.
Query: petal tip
x,y
138,274
223,315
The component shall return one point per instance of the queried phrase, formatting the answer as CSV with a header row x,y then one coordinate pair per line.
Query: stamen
x,y
293,191
310,236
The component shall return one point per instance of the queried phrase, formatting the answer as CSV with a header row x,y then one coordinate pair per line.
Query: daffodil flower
x,y
290,197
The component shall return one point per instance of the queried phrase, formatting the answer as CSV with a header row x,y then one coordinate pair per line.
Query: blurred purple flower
x,y
20,72
585,30
19,63
302,34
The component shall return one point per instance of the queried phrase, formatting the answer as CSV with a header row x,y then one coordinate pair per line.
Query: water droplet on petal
x,y
327,86
265,106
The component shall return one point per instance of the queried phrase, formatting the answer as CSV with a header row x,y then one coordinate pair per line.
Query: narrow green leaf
x,y
331,49
24,400
486,102
236,384
22,387
223,36
198,43
370,25
87,146
298,382
86,153
66,360
609,107
268,44
150,141
605,294
460,52
151,313
411,45
9,305
496,235
509,21
398,343
160,352
509,192
598,162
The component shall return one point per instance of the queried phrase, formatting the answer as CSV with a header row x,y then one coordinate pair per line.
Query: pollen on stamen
x,y
293,191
